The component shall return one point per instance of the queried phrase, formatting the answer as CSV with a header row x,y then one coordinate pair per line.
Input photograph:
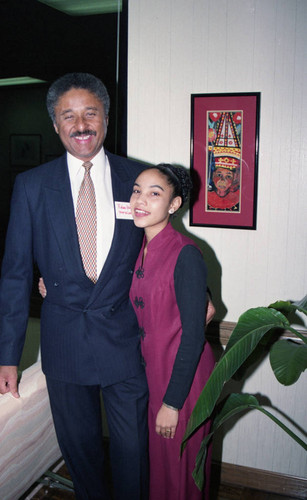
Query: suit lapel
x,y
121,187
61,212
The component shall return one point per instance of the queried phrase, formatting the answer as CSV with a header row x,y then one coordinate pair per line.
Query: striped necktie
x,y
86,221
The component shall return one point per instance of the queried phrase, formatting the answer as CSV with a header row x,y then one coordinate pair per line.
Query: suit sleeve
x,y
190,278
16,278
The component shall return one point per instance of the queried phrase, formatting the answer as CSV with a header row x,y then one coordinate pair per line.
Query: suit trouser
x,y
76,411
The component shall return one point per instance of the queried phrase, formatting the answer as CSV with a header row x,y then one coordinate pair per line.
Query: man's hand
x,y
210,311
8,380
41,287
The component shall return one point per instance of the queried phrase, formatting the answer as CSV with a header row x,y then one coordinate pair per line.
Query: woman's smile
x,y
140,212
151,200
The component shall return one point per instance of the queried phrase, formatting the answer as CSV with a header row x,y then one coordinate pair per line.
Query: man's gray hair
x,y
76,81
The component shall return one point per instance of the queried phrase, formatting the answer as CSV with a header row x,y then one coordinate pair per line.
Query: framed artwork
x,y
25,150
224,159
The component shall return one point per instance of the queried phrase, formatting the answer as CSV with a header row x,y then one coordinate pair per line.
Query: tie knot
x,y
87,165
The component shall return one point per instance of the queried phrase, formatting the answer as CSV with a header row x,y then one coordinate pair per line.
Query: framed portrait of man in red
x,y
224,159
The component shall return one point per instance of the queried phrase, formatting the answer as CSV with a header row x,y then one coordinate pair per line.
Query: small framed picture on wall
x,y
224,159
25,150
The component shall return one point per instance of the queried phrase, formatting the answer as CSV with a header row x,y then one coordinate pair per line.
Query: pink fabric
x,y
157,312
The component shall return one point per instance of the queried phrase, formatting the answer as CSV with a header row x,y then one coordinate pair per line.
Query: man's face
x,y
81,123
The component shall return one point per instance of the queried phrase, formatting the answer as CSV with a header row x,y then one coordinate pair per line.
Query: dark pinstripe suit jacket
x,y
89,332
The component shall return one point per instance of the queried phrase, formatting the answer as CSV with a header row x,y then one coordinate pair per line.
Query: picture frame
x,y
25,150
224,159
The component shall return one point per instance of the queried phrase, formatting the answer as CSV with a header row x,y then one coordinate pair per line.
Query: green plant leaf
x,y
198,472
234,404
288,360
255,320
289,306
249,331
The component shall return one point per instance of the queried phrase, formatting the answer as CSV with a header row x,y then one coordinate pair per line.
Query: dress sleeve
x,y
190,278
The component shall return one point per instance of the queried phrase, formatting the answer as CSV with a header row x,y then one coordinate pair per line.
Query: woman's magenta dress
x,y
153,296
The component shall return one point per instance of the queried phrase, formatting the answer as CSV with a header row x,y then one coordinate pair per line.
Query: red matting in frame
x,y
246,105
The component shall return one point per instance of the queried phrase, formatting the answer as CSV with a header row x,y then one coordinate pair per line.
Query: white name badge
x,y
123,210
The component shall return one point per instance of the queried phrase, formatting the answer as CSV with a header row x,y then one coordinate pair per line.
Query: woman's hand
x,y
41,288
166,422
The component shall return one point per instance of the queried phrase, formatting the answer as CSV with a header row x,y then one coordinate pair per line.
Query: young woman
x,y
168,294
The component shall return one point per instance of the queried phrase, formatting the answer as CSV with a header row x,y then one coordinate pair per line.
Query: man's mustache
x,y
85,132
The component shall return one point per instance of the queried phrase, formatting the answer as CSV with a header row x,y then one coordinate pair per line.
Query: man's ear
x,y
55,127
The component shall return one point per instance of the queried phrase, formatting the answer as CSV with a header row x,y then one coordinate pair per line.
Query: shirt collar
x,y
75,164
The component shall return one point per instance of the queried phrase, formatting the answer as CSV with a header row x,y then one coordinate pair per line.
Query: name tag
x,y
123,210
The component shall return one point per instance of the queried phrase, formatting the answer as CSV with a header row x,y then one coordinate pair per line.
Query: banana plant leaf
x,y
288,360
289,307
235,403
249,331
255,320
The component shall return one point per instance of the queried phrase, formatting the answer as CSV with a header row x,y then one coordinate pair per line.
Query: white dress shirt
x,y
101,177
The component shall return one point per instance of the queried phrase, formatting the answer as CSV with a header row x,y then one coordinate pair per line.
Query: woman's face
x,y
151,201
223,179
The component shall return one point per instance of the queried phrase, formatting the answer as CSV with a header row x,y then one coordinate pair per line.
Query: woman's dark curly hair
x,y
178,178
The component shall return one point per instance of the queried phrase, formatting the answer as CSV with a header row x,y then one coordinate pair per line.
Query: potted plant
x,y
288,358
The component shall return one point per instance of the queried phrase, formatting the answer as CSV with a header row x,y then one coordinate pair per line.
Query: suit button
x,y
55,284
